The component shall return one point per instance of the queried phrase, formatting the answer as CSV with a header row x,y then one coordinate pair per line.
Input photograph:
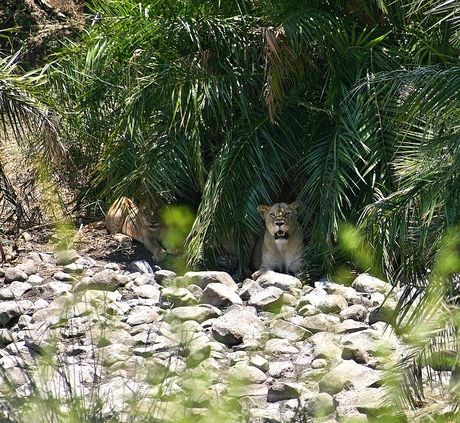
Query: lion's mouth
x,y
281,235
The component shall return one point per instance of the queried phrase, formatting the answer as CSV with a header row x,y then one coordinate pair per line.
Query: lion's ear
x,y
262,210
296,205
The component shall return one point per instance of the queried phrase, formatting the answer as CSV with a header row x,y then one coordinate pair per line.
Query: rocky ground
x,y
98,333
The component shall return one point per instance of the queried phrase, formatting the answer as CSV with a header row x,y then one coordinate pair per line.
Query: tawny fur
x,y
140,221
281,248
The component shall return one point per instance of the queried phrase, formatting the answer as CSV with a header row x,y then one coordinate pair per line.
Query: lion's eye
x,y
272,215
287,214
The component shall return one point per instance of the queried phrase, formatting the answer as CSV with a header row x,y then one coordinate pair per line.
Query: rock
x,y
260,362
385,313
370,284
199,313
278,280
199,340
141,315
148,291
348,375
10,310
237,325
15,274
317,323
355,312
64,277
281,369
105,280
140,266
282,391
280,346
202,279
35,279
357,354
243,373
14,290
162,276
220,295
249,289
332,304
177,296
349,326
289,331
269,298
321,405
65,257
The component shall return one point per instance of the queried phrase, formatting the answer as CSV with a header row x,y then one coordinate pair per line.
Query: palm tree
x,y
226,106
415,227
25,120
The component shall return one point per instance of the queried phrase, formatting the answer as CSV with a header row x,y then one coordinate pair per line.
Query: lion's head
x,y
280,219
149,215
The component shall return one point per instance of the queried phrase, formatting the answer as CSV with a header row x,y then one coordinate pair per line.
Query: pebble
x,y
267,347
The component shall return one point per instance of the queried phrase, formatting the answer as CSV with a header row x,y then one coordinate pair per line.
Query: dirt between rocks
x,y
91,240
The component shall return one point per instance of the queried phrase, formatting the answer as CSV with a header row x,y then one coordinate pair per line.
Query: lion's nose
x,y
279,223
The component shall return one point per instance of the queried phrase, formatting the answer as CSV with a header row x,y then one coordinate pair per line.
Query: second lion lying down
x,y
281,248
141,221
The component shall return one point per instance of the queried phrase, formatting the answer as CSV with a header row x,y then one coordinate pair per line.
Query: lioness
x,y
281,248
140,221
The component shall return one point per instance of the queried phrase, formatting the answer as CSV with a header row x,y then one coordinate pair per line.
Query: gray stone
x,y
35,279
202,279
244,373
281,369
220,295
236,325
199,313
14,290
28,266
105,280
370,284
355,312
162,276
55,288
279,280
74,268
357,354
64,277
148,291
332,304
15,274
324,346
249,288
141,266
348,375
65,257
280,346
349,326
280,391
289,331
317,323
10,310
260,362
141,315
40,339
321,405
385,313
178,296
269,298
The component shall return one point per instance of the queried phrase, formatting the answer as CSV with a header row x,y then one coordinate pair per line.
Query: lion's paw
x,y
159,256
